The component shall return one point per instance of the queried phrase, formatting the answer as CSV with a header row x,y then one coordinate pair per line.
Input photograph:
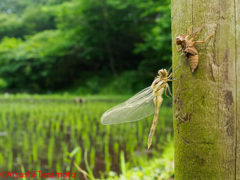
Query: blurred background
x,y
63,63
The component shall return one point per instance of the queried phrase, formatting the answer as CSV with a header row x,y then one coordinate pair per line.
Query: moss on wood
x,y
206,135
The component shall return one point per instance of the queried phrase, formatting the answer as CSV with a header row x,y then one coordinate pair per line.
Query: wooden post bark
x,y
206,126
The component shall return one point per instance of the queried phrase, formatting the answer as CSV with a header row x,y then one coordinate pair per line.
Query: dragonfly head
x,y
163,72
180,39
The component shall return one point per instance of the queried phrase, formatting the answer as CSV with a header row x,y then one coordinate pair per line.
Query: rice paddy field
x,y
50,133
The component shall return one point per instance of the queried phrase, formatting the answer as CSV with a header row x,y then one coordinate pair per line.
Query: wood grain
x,y
206,127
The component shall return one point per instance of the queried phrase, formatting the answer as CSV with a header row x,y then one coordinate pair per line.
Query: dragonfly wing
x,y
137,107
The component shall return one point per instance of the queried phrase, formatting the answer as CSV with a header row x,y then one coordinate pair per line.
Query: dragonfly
x,y
143,104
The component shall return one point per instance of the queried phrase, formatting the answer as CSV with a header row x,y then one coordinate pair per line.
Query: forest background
x,y
83,47
90,55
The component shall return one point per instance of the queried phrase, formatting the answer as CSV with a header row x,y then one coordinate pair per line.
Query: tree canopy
x,y
91,46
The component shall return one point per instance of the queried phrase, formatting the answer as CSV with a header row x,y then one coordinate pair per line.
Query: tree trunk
x,y
206,125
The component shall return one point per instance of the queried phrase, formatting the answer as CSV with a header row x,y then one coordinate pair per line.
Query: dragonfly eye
x,y
162,72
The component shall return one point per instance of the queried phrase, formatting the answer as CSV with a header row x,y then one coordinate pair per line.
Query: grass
x,y
44,130
161,168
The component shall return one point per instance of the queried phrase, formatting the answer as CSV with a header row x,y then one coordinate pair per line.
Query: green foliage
x,y
20,18
52,132
129,80
94,46
18,7
11,25
158,168
34,20
3,83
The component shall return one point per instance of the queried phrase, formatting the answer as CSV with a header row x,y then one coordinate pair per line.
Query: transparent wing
x,y
137,107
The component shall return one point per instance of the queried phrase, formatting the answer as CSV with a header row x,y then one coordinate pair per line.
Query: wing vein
x,y
137,107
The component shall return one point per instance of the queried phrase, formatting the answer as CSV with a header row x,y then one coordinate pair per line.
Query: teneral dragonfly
x,y
141,105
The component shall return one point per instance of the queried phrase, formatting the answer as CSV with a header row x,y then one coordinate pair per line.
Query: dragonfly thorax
x,y
158,86
159,92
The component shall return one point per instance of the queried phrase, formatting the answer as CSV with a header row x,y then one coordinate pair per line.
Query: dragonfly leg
x,y
173,96
177,48
204,40
173,71
175,78
169,69
196,33
166,94
188,32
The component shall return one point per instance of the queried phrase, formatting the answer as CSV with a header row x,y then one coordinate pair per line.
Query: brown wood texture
x,y
206,126
237,15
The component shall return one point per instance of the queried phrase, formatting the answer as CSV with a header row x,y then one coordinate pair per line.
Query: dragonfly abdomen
x,y
157,101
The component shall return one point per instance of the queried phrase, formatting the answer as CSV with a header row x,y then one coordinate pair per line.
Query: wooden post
x,y
206,126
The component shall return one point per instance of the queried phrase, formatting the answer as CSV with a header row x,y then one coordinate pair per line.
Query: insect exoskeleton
x,y
180,39
193,60
188,47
